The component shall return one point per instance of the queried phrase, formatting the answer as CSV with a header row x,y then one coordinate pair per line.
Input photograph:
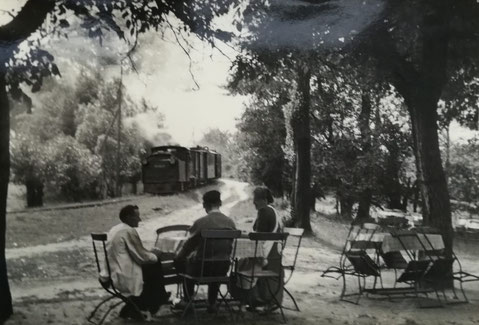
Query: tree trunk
x,y
134,188
346,206
34,192
415,189
407,194
300,121
26,22
432,179
364,205
366,195
6,309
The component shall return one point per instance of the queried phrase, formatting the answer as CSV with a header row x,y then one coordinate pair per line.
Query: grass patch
x,y
42,227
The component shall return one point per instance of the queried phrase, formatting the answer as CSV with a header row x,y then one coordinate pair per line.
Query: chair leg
x,y
276,300
190,303
92,314
360,289
343,291
108,312
292,298
463,293
227,306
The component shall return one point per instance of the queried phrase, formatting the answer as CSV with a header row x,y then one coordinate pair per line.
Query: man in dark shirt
x,y
188,259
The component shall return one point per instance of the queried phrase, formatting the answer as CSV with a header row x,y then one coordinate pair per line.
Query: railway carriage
x,y
171,169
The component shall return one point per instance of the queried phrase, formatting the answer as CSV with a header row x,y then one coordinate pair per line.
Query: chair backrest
x,y
294,242
102,262
218,245
363,263
362,236
268,239
183,229
393,260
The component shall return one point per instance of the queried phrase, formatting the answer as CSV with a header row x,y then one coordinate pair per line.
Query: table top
x,y
390,243
244,247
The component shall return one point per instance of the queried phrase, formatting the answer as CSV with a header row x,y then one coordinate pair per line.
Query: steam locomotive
x,y
171,169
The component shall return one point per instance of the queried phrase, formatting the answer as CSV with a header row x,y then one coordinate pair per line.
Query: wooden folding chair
x,y
212,241
294,243
104,277
250,276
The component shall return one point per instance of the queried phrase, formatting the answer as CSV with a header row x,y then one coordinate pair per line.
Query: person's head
x,y
262,197
130,215
211,200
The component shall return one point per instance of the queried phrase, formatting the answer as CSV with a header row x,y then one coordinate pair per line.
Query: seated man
x,y
135,271
188,259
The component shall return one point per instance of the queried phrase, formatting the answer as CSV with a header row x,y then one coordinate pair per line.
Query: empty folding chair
x,y
363,266
416,269
444,269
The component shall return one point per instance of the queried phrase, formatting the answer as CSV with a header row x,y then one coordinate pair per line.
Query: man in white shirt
x,y
135,271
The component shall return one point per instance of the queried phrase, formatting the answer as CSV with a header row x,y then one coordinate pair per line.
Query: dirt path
x,y
56,283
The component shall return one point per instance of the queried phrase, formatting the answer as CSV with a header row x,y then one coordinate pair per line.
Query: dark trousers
x,y
193,268
153,295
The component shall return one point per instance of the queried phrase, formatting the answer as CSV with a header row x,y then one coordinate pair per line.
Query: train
x,y
172,169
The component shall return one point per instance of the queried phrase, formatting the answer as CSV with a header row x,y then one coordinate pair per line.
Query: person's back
x,y
219,249
189,259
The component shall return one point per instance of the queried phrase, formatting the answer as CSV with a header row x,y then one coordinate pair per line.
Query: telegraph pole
x,y
118,152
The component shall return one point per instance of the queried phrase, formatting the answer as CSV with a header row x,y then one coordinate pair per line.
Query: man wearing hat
x,y
188,259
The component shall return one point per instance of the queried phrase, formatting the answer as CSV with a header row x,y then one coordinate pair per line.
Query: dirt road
x,y
56,283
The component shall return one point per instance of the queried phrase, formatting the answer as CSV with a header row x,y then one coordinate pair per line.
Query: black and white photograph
x,y
239,162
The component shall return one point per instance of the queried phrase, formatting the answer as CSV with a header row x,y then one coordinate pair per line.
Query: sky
x,y
165,81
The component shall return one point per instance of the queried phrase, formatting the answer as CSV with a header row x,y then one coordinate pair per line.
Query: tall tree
x,y
301,126
442,40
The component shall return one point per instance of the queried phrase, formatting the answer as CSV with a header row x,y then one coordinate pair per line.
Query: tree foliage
x,y
464,171
262,136
76,126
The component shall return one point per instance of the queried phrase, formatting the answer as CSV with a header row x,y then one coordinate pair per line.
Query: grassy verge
x,y
42,227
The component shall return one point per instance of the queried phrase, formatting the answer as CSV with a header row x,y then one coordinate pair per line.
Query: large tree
x,y
125,18
441,40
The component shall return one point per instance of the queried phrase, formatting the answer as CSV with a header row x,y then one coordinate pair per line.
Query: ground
x,y
53,275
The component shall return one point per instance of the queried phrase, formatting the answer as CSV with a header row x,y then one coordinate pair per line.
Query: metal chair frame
x,y
297,233
202,279
340,269
415,271
167,263
257,237
357,263
443,267
108,285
